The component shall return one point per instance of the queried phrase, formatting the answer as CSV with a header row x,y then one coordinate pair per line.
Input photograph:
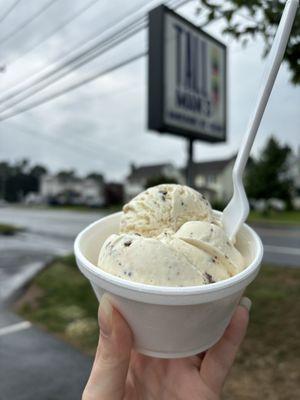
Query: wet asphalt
x,y
36,366
33,364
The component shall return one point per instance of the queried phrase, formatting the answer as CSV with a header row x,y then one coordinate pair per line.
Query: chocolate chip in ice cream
x,y
127,243
163,194
209,278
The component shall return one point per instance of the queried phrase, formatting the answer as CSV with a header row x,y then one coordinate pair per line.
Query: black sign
x,y
187,79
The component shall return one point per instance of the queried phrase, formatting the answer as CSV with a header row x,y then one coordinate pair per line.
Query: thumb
x,y
108,375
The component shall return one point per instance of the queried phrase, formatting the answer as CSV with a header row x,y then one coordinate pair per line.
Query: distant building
x,y
72,190
139,177
211,178
214,179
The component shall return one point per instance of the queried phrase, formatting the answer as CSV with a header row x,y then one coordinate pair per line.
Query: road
x,y
48,233
52,232
25,374
281,244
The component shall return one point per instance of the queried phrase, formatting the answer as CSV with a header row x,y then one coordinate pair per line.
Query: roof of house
x,y
207,167
146,171
211,167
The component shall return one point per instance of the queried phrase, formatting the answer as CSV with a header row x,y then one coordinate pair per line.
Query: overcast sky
x,y
102,125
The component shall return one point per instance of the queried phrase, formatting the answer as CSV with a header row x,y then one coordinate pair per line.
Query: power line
x,y
95,42
76,85
9,10
57,29
106,46
93,143
91,45
70,144
119,37
27,22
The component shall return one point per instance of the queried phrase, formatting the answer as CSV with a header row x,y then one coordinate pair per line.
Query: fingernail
x,y
246,302
105,316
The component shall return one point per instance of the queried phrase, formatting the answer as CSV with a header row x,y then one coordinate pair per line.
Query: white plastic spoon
x,y
237,210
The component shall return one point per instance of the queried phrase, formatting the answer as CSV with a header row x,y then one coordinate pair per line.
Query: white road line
x,y
20,326
292,251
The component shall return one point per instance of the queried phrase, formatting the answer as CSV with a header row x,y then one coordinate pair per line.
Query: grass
x,y
268,366
276,217
61,300
9,230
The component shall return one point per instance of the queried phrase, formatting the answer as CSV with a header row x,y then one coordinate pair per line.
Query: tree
x,y
247,19
268,176
96,177
4,173
38,170
66,174
19,179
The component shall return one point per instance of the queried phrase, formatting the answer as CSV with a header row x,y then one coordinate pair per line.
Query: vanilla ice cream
x,y
164,208
169,237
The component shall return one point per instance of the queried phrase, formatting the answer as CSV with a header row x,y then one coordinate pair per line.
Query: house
x,y
211,178
214,179
58,189
140,177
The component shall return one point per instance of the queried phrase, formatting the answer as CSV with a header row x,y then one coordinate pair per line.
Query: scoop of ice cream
x,y
147,260
210,267
164,208
212,239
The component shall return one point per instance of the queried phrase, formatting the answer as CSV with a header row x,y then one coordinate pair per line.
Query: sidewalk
x,y
36,366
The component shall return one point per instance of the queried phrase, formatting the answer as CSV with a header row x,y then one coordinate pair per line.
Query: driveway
x,y
36,366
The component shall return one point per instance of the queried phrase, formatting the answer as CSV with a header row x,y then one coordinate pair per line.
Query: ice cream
x,y
164,208
170,237
147,260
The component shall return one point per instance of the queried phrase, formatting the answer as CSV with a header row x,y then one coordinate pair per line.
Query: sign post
x,y
187,81
190,161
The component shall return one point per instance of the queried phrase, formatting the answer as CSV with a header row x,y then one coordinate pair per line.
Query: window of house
x,y
199,180
211,178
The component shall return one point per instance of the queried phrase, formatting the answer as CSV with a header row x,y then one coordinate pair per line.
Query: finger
x,y
196,360
108,376
219,359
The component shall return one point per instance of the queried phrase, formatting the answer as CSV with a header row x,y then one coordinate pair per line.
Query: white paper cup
x,y
168,322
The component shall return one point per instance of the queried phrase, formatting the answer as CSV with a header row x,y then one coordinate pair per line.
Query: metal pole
x,y
189,165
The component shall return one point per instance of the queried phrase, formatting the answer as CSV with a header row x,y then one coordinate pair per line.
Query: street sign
x,y
187,79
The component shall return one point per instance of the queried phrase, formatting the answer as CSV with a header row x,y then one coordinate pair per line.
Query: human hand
x,y
120,373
